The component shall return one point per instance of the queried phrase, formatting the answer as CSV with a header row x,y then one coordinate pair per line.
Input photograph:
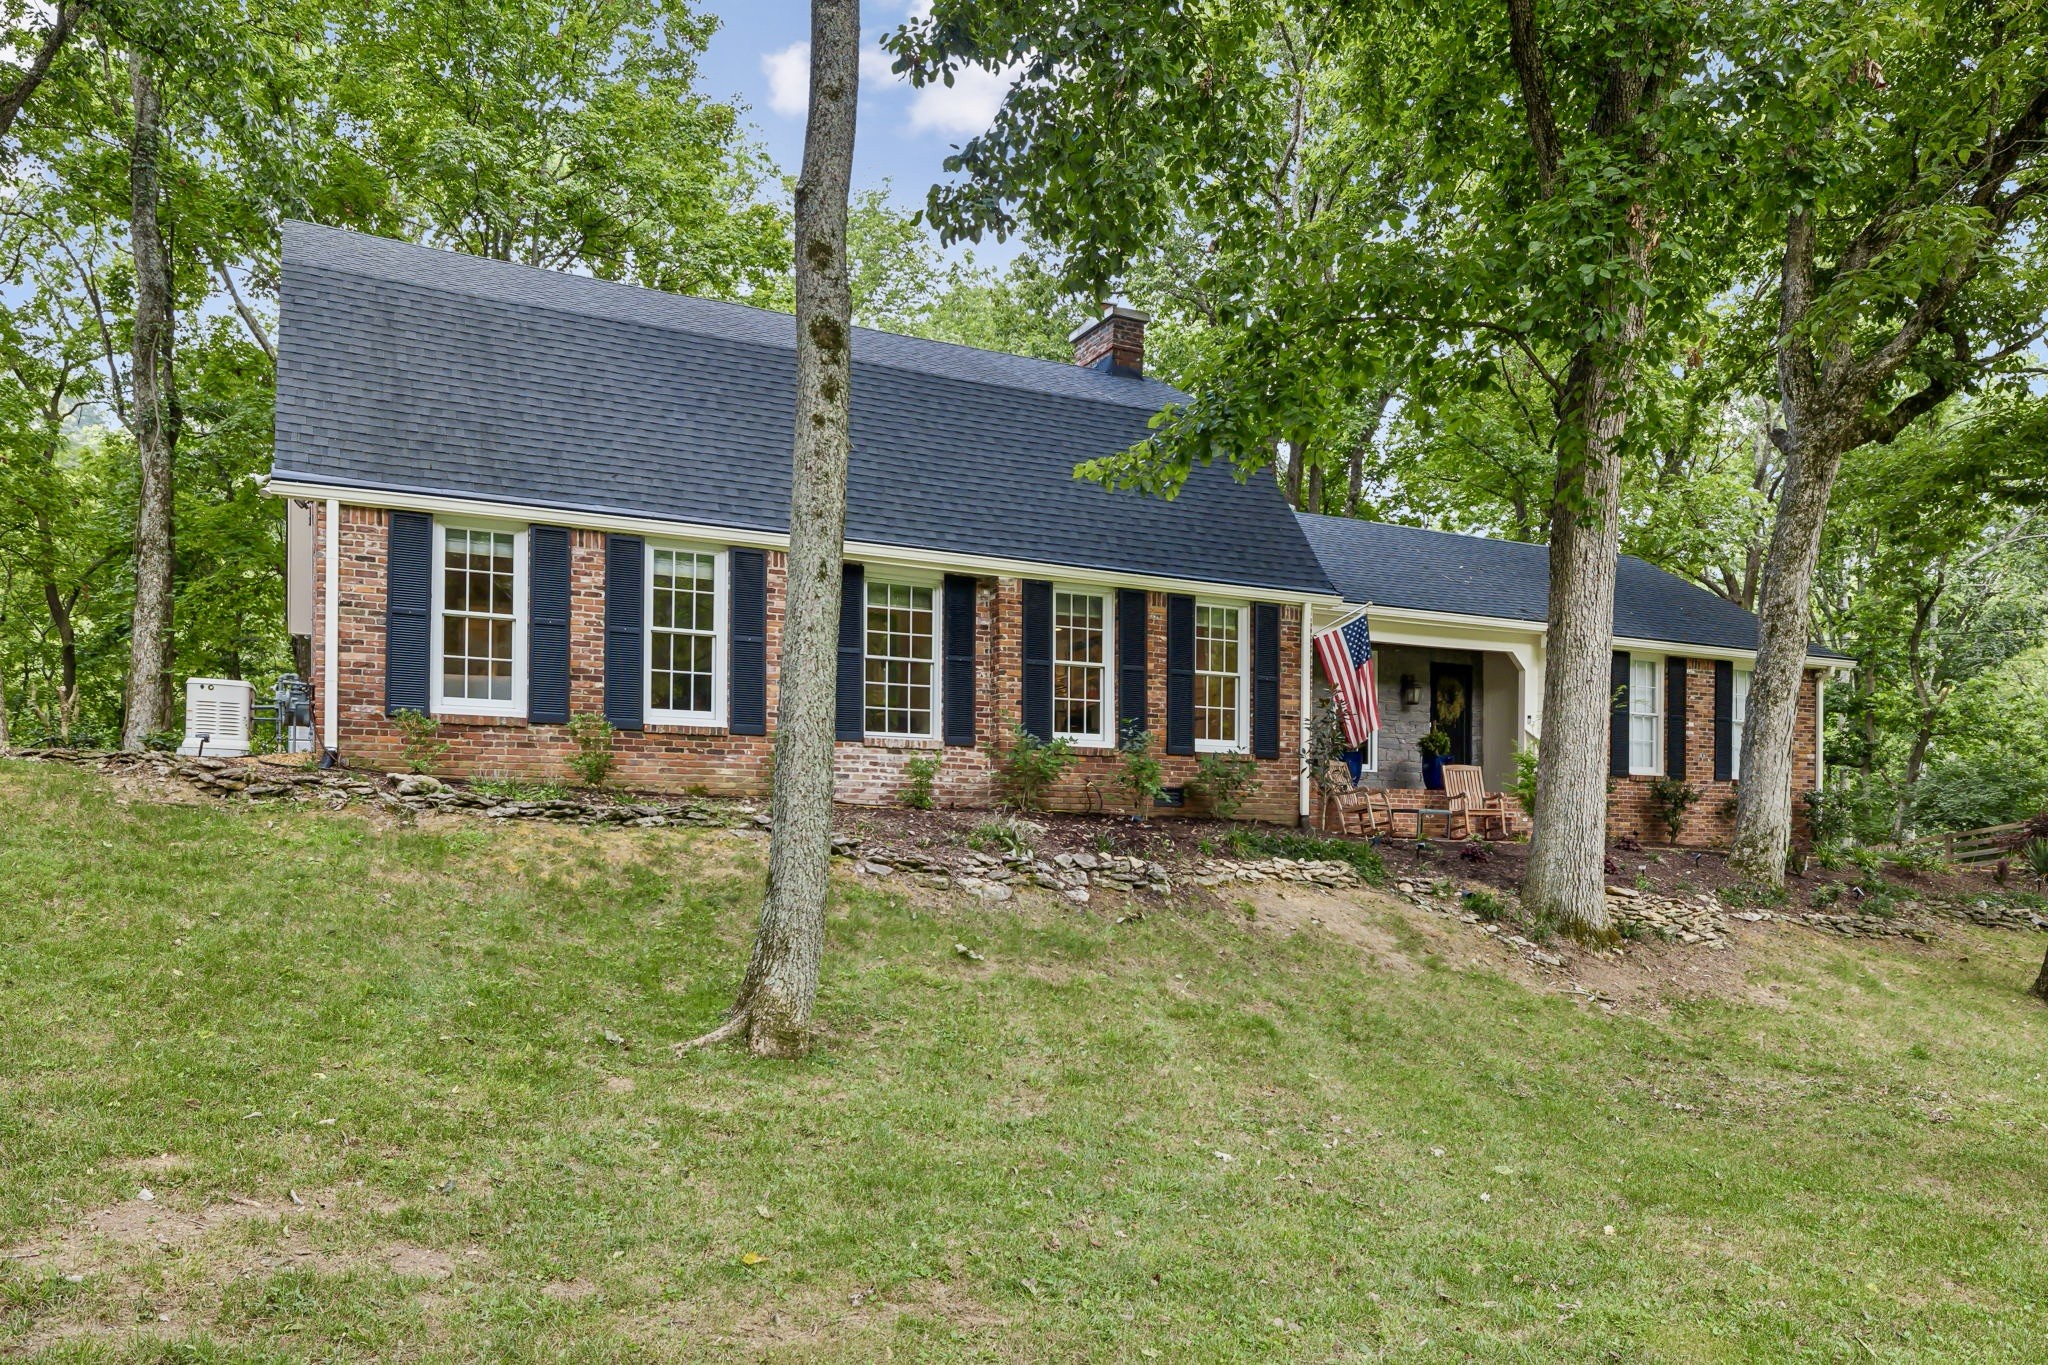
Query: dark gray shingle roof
x,y
403,368
1407,567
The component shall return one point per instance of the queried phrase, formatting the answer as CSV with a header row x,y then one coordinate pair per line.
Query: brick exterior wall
x,y
1710,823
709,760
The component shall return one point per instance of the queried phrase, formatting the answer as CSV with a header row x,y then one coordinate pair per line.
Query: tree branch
x,y
54,38
1527,51
249,318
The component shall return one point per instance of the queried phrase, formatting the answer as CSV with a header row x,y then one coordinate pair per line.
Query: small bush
x,y
1362,857
1030,766
1752,896
922,772
593,758
419,739
1918,858
1524,785
2035,851
1673,796
1484,904
1825,895
1225,779
508,789
1006,834
1140,773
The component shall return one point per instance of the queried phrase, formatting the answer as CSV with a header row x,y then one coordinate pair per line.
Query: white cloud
x,y
789,79
966,107
789,76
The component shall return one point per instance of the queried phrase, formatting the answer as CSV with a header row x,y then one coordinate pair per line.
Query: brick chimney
x,y
1114,343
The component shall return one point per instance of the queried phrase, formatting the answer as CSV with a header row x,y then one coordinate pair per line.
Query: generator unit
x,y
218,716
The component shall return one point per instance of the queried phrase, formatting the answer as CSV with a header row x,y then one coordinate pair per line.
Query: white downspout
x,y
1820,728
1307,662
330,682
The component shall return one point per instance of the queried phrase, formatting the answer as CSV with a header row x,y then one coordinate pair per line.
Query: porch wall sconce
x,y
1411,690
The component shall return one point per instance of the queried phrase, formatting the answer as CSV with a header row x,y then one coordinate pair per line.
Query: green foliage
x,y
2035,851
511,789
1322,756
1433,744
593,759
1006,834
921,772
1254,842
1524,785
1673,796
1139,771
1752,896
1029,766
1225,779
419,739
1482,903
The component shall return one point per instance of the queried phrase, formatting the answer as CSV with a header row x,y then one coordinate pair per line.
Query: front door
x,y
1450,706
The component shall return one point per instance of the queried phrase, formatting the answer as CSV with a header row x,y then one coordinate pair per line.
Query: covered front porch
x,y
1478,683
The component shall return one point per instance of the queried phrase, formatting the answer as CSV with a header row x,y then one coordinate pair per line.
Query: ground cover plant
x,y
405,1091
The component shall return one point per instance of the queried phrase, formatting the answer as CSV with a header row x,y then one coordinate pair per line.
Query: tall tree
x,y
1485,182
781,985
61,23
153,401
1908,217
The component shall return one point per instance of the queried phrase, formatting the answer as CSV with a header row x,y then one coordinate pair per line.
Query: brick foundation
x,y
674,758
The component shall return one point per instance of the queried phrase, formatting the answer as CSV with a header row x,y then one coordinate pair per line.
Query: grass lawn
x,y
407,1093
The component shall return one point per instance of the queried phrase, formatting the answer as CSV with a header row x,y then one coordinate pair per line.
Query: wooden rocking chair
x,y
1472,807
1366,811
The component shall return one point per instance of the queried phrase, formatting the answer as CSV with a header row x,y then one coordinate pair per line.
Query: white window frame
x,y
1106,736
1371,753
669,715
1242,745
1655,714
445,705
898,579
1739,684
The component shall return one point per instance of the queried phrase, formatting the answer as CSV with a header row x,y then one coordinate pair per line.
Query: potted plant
x,y
1434,746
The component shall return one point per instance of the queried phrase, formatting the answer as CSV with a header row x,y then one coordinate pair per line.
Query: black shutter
x,y
408,613
1617,722
959,686
1131,611
853,650
1180,674
547,636
1674,719
1724,721
1036,714
625,632
746,665
1265,680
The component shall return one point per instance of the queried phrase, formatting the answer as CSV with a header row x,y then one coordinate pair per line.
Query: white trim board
x,y
867,552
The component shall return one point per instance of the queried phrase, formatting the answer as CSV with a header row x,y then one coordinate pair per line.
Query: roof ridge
x,y
1152,385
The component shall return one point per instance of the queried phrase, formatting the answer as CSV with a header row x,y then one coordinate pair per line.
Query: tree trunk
x,y
63,20
1291,485
781,985
1566,880
2040,988
154,420
1354,473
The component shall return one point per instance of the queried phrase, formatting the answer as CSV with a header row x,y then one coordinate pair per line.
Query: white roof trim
x,y
865,551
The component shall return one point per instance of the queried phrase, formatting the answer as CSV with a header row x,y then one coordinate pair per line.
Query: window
x,y
1645,716
1219,677
480,648
683,631
1738,713
901,647
1080,668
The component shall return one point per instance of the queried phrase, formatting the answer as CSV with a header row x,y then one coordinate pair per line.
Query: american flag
x,y
1346,657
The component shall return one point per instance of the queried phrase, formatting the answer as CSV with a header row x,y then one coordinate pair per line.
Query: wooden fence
x,y
1972,847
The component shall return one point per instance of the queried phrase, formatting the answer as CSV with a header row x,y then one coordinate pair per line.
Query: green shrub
x,y
1435,744
1005,834
419,739
1825,895
1918,858
1139,772
1484,904
2035,851
1030,766
593,758
922,772
510,789
1673,796
1524,785
1225,779
1362,857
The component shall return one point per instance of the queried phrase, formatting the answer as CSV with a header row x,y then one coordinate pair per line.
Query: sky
x,y
761,56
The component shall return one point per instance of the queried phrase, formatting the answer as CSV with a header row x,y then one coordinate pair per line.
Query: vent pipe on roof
x,y
1113,343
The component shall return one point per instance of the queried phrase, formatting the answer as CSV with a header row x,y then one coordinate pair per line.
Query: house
x,y
527,495
518,496
1458,624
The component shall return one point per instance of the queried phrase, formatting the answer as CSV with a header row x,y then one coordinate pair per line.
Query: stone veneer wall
x,y
1402,727
707,759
